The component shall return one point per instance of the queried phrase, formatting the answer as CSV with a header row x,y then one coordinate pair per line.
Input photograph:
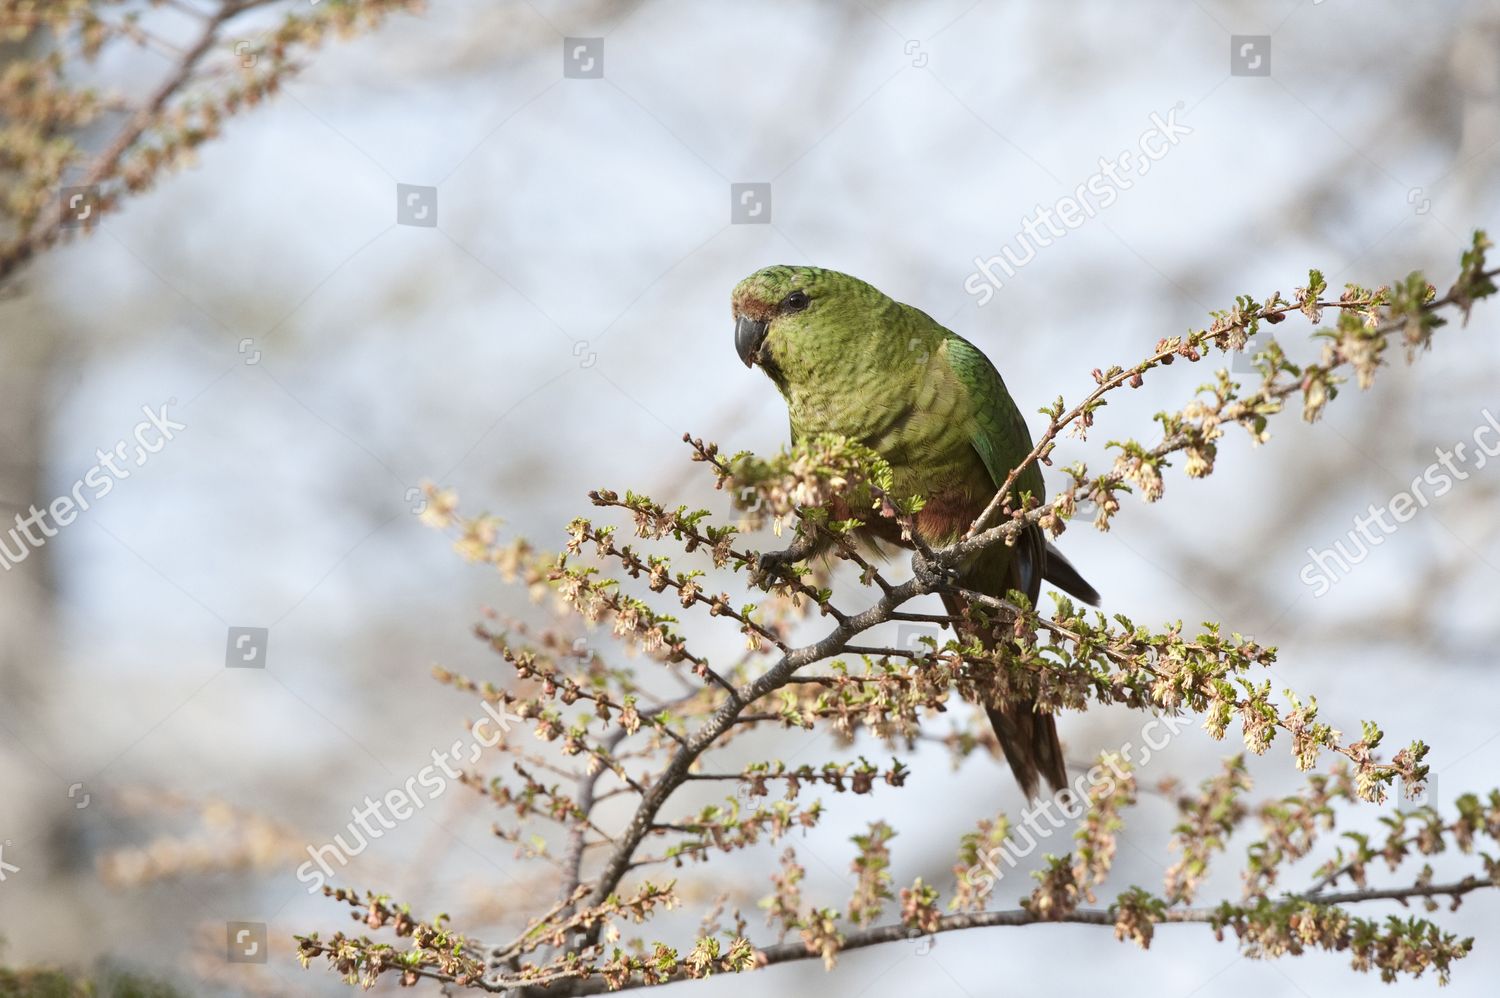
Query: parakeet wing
x,y
999,432
1000,437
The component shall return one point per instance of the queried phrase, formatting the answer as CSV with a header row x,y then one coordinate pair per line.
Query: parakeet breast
x,y
918,418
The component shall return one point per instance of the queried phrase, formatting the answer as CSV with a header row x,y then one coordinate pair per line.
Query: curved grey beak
x,y
749,334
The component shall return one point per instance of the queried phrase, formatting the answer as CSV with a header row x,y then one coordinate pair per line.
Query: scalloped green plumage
x,y
852,362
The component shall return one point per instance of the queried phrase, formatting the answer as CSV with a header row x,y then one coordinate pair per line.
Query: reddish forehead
x,y
747,301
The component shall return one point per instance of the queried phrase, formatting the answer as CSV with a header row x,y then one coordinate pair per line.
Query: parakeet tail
x,y
1028,738
1059,571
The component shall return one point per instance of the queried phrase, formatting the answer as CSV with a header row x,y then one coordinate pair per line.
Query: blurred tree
x,y
73,148
103,983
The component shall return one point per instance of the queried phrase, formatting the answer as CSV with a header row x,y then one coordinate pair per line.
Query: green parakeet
x,y
851,361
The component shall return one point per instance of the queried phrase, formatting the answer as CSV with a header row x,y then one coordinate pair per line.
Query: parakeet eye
x,y
796,301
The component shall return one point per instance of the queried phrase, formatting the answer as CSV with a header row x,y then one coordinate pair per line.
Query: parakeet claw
x,y
770,563
933,575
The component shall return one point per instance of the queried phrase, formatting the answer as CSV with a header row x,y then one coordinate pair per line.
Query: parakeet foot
x,y
772,563
933,575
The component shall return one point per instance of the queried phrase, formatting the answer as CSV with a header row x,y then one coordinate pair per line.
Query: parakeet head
x,y
805,322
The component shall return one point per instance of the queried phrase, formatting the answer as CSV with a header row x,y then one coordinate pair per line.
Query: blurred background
x,y
328,349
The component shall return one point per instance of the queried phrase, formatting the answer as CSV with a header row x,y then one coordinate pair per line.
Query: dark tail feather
x,y
1028,738
1059,571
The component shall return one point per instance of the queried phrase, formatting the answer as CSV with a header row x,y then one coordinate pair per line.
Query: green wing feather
x,y
999,431
1028,737
999,435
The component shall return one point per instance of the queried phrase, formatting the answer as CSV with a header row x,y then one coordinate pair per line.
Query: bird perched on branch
x,y
853,362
